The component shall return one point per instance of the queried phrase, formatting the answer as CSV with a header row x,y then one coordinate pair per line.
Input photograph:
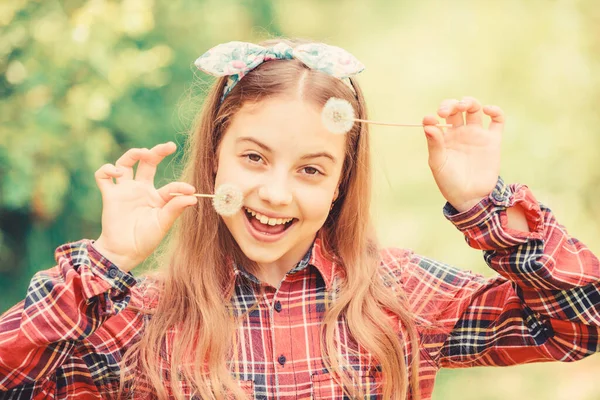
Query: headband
x,y
236,59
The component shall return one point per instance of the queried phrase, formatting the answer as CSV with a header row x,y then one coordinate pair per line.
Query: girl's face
x,y
288,166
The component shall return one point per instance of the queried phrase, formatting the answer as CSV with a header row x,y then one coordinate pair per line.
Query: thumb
x,y
435,142
173,209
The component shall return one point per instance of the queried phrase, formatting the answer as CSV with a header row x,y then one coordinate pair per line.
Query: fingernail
x,y
443,109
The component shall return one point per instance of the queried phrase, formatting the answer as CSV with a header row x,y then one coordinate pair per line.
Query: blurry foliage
x,y
82,81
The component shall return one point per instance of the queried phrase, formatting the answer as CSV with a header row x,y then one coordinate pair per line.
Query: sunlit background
x,y
81,81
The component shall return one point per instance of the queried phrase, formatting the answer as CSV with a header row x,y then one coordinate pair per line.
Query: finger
x,y
175,187
435,143
430,120
497,116
450,111
472,108
105,174
173,209
128,160
146,169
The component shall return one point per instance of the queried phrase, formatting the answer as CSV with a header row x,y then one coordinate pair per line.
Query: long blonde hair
x,y
199,255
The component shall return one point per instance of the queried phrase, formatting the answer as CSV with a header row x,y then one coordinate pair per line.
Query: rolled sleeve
x,y
485,225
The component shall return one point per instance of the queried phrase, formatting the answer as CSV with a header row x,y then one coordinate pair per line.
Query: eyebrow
x,y
268,149
319,154
256,142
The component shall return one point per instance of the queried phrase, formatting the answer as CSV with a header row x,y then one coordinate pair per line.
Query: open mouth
x,y
265,225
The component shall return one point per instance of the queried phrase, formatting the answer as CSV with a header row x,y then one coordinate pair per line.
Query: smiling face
x,y
288,166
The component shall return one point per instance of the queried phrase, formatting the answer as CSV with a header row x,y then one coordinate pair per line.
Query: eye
x,y
253,157
311,171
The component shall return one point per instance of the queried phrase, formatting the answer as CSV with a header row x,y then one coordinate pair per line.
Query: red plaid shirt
x,y
65,340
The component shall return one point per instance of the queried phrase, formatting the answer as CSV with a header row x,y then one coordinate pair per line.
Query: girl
x,y
291,297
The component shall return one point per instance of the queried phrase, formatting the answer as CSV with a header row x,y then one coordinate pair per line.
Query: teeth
x,y
266,220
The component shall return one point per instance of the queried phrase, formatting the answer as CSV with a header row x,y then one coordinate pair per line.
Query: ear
x,y
336,193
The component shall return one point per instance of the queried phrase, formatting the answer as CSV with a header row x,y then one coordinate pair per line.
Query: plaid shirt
x,y
65,340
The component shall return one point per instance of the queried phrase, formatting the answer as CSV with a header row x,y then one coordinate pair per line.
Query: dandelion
x,y
338,115
226,201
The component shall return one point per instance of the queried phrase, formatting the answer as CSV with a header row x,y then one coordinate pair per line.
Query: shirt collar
x,y
316,256
324,262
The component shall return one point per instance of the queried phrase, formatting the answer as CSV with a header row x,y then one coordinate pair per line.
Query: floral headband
x,y
236,59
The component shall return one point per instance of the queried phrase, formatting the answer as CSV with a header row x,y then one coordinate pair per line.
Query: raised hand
x,y
465,160
135,215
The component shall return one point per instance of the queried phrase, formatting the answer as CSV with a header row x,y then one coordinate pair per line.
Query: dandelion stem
x,y
368,121
195,194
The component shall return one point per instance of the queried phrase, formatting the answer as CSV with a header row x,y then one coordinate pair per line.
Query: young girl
x,y
291,297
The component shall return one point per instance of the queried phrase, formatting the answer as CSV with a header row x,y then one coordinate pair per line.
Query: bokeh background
x,y
82,81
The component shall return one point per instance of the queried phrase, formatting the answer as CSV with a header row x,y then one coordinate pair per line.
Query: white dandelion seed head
x,y
338,115
228,199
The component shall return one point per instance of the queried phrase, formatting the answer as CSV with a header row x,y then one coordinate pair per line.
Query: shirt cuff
x,y
109,272
485,224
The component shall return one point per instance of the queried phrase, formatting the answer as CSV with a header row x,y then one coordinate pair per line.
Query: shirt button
x,y
497,196
278,306
112,272
281,359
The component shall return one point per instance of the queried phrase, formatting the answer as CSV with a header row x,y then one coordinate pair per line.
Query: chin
x,y
261,254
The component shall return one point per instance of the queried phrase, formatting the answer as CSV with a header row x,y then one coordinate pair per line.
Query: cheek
x,y
315,204
230,170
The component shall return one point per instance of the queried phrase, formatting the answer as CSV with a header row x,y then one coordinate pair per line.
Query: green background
x,y
81,81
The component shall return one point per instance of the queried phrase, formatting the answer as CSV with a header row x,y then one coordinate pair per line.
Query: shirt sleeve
x,y
543,305
63,307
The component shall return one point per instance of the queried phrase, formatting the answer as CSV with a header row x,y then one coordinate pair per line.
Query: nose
x,y
275,192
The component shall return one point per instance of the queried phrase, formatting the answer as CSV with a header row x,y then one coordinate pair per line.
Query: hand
x,y
135,215
465,160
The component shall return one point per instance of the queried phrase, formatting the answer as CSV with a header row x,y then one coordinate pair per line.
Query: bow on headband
x,y
236,59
